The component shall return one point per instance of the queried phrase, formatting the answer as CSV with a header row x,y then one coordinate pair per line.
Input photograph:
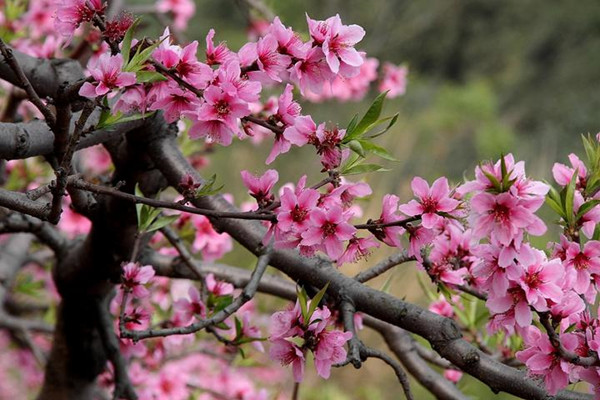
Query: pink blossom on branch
x,y
135,276
329,228
107,76
431,201
71,13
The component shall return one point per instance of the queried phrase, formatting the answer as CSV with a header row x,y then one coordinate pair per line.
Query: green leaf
x,y
126,46
208,189
222,326
569,196
556,207
363,168
356,147
238,327
352,124
316,300
596,233
585,207
138,207
494,181
162,222
368,120
149,77
141,56
303,300
387,128
221,302
371,147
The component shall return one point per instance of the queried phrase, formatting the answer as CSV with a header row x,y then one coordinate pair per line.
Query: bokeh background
x,y
486,78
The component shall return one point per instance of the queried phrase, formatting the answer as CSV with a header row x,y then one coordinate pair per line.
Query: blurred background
x,y
486,77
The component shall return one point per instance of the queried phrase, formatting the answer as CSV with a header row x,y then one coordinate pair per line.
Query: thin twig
x,y
79,183
65,168
247,294
123,386
400,374
31,93
383,266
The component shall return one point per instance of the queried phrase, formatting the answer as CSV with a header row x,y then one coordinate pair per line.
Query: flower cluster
x,y
292,337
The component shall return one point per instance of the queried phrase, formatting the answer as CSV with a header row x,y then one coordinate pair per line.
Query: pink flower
x,y
543,359
293,214
288,353
108,76
338,46
221,112
330,350
581,264
347,89
302,132
132,99
260,187
390,235
442,307
71,13
504,217
218,288
188,309
229,79
329,229
394,80
272,63
540,281
287,108
431,201
184,62
311,72
176,103
288,41
211,244
182,10
563,174
453,375
251,331
513,302
357,249
134,276
216,55
327,142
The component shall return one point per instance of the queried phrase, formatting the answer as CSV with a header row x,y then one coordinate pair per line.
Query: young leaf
x,y
493,180
387,128
585,207
356,147
162,222
368,120
316,300
569,196
371,147
363,168
126,46
149,77
208,188
303,299
352,124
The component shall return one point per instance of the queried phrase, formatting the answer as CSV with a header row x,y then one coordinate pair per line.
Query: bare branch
x,y
247,294
123,386
25,84
383,266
